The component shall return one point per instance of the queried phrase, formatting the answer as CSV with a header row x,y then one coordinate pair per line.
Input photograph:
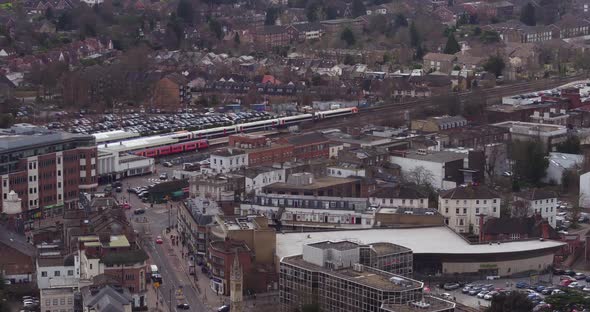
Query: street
x,y
148,226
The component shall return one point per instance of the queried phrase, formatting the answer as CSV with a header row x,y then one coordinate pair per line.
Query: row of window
x,y
477,202
60,301
57,273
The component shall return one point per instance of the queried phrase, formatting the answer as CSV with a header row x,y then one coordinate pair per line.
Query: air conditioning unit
x,y
357,267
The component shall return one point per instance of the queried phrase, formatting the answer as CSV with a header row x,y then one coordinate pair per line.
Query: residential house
x,y
571,26
521,228
398,196
106,299
538,201
438,62
227,160
463,207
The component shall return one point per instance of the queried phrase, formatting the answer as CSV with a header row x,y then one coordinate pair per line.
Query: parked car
x,y
465,290
117,184
184,306
451,286
490,295
522,285
118,189
473,292
223,308
446,296
569,272
565,283
159,240
580,276
167,164
164,176
482,294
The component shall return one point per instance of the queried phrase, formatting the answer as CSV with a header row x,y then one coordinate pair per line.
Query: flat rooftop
x,y
434,305
368,276
431,240
317,183
432,156
19,141
343,245
113,135
388,248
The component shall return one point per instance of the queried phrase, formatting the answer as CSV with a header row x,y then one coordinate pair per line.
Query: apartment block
x,y
462,207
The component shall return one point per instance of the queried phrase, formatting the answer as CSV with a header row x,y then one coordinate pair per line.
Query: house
x,y
468,62
106,299
398,196
227,160
17,263
571,26
302,32
438,62
171,91
57,271
6,88
538,201
436,124
516,31
521,228
257,178
463,207
446,16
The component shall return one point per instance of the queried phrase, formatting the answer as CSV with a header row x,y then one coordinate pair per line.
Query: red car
x,y
125,206
159,240
565,282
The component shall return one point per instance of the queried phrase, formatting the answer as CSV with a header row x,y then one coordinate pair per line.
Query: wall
x,y
408,164
223,164
505,268
57,300
263,179
387,219
547,207
399,202
585,190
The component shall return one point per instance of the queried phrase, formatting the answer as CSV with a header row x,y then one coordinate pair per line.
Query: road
x,y
159,217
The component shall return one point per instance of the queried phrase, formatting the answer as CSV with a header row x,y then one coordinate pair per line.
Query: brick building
x,y
47,169
17,263
221,257
272,36
260,150
307,184
309,146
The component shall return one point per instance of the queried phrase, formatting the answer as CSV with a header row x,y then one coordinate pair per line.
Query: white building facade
x,y
228,160
540,202
463,206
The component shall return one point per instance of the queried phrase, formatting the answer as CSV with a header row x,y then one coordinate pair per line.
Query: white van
x,y
154,269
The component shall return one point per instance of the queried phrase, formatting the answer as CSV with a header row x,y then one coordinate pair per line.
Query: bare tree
x,y
493,154
520,208
420,176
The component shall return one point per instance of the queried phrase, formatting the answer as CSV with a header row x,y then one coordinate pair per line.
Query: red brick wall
x,y
129,277
278,154
47,179
255,141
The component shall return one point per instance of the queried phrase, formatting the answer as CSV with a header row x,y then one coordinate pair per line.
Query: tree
x,y
514,302
490,36
494,154
185,11
348,60
527,15
494,64
452,45
358,8
315,12
272,14
520,208
237,38
420,176
570,146
6,120
400,21
420,52
568,301
570,181
529,160
348,37
216,28
415,39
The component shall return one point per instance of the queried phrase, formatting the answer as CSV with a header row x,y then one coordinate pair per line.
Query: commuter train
x,y
185,141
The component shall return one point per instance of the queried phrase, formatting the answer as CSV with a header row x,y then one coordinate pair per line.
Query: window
x,y
477,202
44,273
457,211
485,201
494,201
91,266
48,302
446,201
446,210
465,210
62,301
477,210
495,209
70,272
56,273
55,301
70,300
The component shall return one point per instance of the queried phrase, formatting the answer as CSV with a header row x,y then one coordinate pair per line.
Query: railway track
x,y
392,111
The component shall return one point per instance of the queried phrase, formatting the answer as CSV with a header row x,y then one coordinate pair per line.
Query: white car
x,y
490,295
446,296
573,285
482,294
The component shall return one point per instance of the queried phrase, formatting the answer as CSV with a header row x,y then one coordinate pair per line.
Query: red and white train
x,y
186,141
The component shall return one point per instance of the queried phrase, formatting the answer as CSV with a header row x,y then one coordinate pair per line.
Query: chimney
x,y
545,230
481,232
